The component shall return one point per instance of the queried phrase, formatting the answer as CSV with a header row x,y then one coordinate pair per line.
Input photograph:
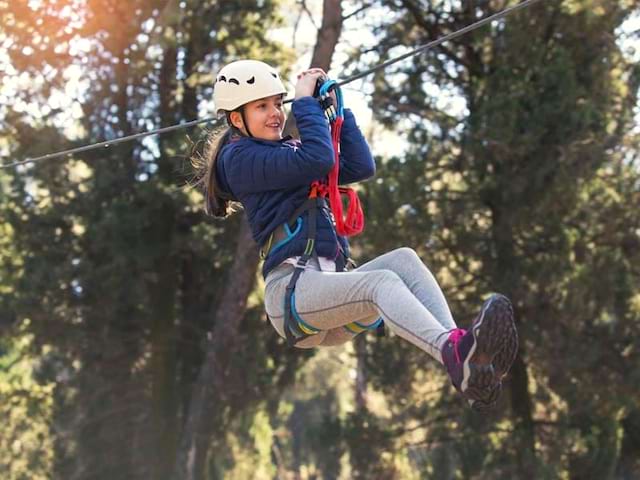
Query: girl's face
x,y
265,118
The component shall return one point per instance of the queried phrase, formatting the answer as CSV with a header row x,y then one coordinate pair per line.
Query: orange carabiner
x,y
313,192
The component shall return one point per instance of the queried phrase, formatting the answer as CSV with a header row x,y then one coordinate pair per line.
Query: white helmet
x,y
244,81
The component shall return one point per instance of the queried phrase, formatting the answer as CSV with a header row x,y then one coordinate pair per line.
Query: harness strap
x,y
285,232
351,225
292,330
312,203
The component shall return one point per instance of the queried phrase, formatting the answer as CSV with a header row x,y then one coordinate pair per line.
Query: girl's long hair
x,y
217,202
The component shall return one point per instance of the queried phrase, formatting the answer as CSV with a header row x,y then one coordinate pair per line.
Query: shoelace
x,y
455,336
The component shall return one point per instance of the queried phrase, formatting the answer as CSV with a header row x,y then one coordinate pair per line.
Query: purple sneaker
x,y
478,359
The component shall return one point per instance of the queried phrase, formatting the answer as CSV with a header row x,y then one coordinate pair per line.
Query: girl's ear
x,y
236,120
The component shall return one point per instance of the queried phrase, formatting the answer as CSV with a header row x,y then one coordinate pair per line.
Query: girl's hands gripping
x,y
307,82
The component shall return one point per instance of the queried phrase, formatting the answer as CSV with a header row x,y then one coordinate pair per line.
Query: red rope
x,y
353,223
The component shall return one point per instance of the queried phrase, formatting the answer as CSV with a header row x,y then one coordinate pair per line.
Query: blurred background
x,y
133,342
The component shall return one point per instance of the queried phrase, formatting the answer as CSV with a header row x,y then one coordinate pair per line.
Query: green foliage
x,y
110,277
108,253
26,405
494,203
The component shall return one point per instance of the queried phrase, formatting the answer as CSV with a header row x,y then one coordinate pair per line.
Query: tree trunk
x,y
164,394
361,373
522,407
199,423
162,289
328,36
629,457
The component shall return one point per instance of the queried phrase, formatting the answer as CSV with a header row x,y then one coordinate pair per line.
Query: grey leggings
x,y
396,286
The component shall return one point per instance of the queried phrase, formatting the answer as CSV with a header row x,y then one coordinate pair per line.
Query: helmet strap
x,y
244,121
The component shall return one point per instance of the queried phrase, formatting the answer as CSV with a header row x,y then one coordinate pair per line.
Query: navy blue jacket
x,y
271,179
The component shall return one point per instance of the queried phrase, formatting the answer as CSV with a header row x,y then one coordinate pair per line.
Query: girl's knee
x,y
406,254
386,277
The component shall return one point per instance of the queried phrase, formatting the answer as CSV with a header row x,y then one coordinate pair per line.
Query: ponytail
x,y
217,202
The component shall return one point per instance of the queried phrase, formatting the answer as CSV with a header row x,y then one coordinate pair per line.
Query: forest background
x,y
133,342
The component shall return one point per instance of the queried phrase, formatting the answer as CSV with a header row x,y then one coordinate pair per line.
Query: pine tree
x,y
489,194
121,273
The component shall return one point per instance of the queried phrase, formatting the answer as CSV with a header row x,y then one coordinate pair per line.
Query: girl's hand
x,y
307,82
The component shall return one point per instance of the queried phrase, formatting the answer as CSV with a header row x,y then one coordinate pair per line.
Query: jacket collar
x,y
238,138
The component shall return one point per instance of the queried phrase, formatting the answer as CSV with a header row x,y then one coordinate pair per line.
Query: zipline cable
x,y
108,143
435,43
441,40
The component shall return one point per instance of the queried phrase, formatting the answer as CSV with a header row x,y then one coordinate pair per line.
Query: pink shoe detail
x,y
454,337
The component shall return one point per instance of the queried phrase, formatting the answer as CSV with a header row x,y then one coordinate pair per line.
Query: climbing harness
x,y
296,329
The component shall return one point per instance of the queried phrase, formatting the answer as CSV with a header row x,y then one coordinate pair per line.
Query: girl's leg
x,y
413,272
327,300
338,336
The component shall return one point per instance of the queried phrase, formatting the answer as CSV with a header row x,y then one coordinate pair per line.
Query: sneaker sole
x,y
504,358
501,364
492,353
489,401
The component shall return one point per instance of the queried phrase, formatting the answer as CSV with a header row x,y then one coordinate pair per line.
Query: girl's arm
x,y
356,161
252,166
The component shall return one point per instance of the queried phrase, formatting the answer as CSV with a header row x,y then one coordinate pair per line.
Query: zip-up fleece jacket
x,y
271,179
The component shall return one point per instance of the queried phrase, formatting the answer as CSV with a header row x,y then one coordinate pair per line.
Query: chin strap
x,y
235,129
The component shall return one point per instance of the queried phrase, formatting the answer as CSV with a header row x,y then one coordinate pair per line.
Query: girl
x,y
310,298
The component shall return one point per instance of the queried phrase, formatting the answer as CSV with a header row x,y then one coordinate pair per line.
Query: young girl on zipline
x,y
291,192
